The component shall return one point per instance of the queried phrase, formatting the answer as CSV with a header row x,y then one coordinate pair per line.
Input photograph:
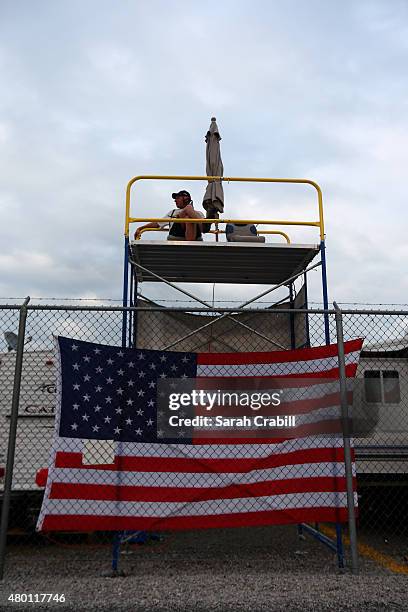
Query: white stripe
x,y
275,369
214,451
196,480
200,508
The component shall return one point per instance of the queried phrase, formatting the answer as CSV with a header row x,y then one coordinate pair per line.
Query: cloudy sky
x,y
95,92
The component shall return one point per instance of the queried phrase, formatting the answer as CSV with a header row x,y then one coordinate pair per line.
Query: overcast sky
x,y
94,92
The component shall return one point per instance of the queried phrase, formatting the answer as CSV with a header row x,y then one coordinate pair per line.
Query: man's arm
x,y
152,225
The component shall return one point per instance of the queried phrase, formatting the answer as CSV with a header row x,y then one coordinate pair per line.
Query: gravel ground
x,y
249,569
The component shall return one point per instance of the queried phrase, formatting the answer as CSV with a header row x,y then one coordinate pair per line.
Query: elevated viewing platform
x,y
219,262
241,261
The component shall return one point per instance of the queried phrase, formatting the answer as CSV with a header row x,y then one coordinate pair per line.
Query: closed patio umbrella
x,y
213,201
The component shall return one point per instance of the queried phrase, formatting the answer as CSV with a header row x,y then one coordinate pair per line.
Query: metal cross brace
x,y
225,315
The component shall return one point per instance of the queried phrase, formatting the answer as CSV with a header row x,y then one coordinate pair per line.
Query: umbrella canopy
x,y
213,201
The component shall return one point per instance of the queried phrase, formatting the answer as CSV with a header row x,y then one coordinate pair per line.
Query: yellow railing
x,y
159,229
319,223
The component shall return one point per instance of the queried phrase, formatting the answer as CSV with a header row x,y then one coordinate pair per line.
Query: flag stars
x,y
138,431
118,410
74,347
97,408
140,412
163,375
152,384
86,358
109,380
149,422
129,421
131,383
107,419
108,399
152,366
98,369
117,430
121,372
129,402
142,374
140,393
86,397
131,364
97,351
141,356
85,417
110,361
185,359
75,387
119,391
87,378
120,354
95,428
163,358
75,366
173,367
75,406
98,389
74,426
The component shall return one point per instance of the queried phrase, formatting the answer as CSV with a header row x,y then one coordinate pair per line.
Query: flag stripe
x,y
298,355
199,480
83,491
199,508
80,522
200,465
312,367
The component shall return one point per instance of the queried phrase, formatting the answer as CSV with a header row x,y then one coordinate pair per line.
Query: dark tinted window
x,y
372,386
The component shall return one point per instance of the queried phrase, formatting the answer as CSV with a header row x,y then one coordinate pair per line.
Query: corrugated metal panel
x,y
202,262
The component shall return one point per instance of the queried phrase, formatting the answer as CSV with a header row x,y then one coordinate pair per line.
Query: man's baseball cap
x,y
183,193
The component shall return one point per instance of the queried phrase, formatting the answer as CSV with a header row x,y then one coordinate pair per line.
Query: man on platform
x,y
184,210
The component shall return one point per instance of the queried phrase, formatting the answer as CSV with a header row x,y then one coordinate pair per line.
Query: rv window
x,y
382,387
391,387
372,386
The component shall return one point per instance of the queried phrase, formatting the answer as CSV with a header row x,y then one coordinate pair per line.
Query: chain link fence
x,y
382,374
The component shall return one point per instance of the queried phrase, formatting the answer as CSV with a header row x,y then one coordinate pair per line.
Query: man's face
x,y
181,201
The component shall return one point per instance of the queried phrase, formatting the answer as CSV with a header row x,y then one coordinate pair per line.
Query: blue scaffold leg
x,y
335,545
115,572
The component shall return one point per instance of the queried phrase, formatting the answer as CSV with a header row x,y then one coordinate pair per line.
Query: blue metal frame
x,y
325,293
339,534
125,289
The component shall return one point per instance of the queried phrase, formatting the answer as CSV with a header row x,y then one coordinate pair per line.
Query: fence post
x,y
12,434
346,440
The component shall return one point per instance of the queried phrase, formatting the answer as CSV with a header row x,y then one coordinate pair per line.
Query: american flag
x,y
106,399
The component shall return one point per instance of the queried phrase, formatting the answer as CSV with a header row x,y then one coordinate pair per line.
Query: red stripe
x,y
200,466
307,354
66,522
125,493
260,436
351,369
